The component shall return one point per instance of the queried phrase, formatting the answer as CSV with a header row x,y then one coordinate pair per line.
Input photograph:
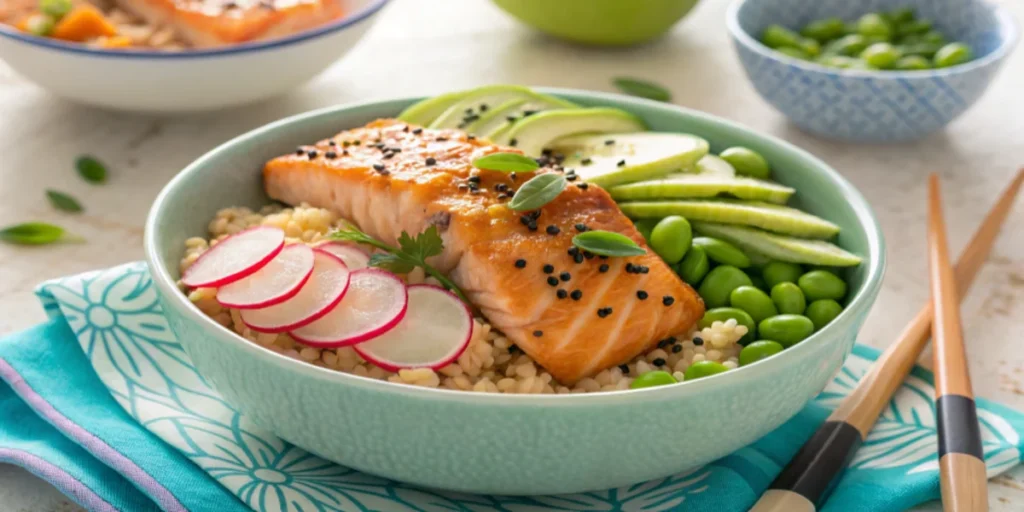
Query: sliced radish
x,y
375,303
276,282
353,255
435,332
235,257
323,291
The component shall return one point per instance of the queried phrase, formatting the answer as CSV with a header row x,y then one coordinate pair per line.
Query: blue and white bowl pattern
x,y
869,106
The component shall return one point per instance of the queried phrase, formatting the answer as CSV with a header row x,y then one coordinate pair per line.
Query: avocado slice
x,y
470,107
715,166
534,133
497,120
770,217
698,186
779,247
424,112
614,159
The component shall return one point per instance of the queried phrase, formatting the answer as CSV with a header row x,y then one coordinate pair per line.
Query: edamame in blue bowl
x,y
445,438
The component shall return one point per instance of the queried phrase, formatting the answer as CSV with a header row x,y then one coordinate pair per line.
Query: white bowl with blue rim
x,y
871,106
185,80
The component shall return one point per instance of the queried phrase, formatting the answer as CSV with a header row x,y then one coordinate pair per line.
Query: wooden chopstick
x,y
804,482
961,460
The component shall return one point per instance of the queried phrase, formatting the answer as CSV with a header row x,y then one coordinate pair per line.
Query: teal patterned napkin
x,y
103,402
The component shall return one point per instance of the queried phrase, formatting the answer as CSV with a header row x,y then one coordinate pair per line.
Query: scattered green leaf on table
x,y
607,243
507,162
90,169
64,202
642,88
539,191
35,233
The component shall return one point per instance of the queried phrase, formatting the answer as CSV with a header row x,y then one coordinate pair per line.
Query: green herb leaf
x,y
539,191
607,243
506,162
62,201
90,169
642,88
411,253
35,233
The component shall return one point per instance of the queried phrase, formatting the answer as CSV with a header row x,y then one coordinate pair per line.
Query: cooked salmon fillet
x,y
207,23
389,177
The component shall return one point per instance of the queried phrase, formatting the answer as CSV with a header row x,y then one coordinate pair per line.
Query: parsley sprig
x,y
410,253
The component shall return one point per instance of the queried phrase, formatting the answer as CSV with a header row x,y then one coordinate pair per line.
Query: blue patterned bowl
x,y
490,443
871,106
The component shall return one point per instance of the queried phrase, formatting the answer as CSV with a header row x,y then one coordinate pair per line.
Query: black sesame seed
x,y
546,151
513,142
525,220
571,177
442,139
621,163
603,268
602,257
629,268
312,154
405,129
528,113
474,186
511,119
470,137
378,167
581,227
417,131
513,348
483,107
380,145
549,268
664,343
538,333
576,295
512,175
345,143
331,155
582,186
658,362
578,258
604,312
698,341
474,179
624,368
573,251
300,151
671,340
642,295
520,263
677,349
553,230
332,143
502,196
562,293
387,156
553,281
644,269
668,300
609,142
532,226
588,255
430,160
469,110
535,214
344,152
395,150
501,187
565,276
586,161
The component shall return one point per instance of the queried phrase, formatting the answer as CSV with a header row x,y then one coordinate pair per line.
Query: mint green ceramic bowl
x,y
504,444
600,22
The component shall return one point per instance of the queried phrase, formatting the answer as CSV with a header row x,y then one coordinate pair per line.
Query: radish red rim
x,y
423,320
205,271
353,255
277,319
379,310
287,273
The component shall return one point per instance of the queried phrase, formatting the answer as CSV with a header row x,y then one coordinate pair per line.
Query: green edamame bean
x,y
912,28
758,282
40,24
900,16
776,36
838,61
823,311
651,379
747,162
722,251
873,24
824,30
719,284
912,63
781,272
55,8
671,238
755,302
952,54
880,55
819,284
933,37
921,49
694,266
703,369
645,227
759,350
793,51
789,298
848,46
810,47
722,314
786,329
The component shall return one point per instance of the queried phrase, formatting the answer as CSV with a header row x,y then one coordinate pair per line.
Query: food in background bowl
x,y
165,24
568,296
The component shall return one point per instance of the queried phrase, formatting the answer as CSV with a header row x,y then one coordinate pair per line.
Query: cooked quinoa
x,y
491,363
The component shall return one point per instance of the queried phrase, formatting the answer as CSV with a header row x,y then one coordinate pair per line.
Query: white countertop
x,y
421,48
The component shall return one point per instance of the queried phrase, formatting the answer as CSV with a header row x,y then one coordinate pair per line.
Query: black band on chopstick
x,y
822,458
959,431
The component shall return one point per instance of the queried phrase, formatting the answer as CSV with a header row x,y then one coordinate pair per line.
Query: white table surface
x,y
421,47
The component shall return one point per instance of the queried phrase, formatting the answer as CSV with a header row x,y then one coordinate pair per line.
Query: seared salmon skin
x,y
573,312
209,23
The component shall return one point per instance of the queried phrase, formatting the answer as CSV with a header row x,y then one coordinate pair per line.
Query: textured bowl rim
x,y
1008,28
255,47
861,302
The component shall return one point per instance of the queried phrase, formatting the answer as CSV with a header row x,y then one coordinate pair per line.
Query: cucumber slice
x,y
692,186
497,119
535,133
712,165
779,247
460,113
425,111
646,155
767,216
